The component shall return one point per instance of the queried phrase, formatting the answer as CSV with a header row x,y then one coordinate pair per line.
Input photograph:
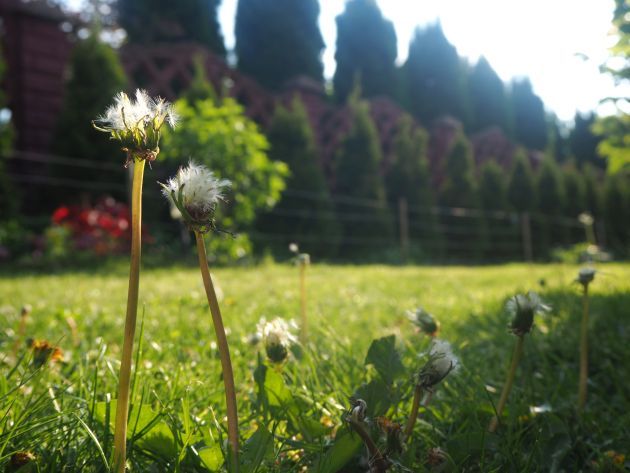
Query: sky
x,y
558,44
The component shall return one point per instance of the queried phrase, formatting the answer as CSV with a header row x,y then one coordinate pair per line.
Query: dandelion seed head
x,y
442,361
277,337
195,191
522,308
586,276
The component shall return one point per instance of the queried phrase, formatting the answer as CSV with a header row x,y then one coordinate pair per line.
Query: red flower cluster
x,y
104,228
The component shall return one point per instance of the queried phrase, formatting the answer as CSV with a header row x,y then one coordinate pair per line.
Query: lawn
x,y
293,414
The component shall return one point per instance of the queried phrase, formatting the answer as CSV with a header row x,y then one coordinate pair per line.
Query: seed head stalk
x,y
304,331
122,406
516,357
415,407
582,389
224,353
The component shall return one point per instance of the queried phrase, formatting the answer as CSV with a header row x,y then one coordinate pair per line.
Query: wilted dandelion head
x,y
424,321
44,351
19,460
358,410
441,362
277,337
585,276
195,193
522,309
136,123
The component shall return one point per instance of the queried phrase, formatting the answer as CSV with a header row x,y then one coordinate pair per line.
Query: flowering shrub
x,y
104,228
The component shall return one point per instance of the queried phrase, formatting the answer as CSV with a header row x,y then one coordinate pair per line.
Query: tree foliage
x,y
220,136
358,176
277,40
530,123
166,21
435,78
8,202
95,76
366,51
521,191
575,191
459,188
307,215
493,187
489,102
583,142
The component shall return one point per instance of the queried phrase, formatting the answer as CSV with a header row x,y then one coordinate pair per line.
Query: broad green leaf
x,y
257,448
211,457
377,395
345,447
385,358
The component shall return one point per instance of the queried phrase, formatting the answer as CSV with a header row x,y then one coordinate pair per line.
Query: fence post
x,y
403,220
526,231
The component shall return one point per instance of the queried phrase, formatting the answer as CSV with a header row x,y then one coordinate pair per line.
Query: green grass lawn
x,y
60,412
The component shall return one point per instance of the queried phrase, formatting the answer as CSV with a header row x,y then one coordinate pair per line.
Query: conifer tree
x,y
583,142
521,185
358,176
459,188
435,78
409,178
168,21
466,235
489,103
493,187
551,203
592,190
616,204
8,201
95,76
366,51
530,123
277,40
308,215
574,187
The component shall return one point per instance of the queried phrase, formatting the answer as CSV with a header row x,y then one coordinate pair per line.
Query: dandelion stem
x,y
377,460
516,356
415,406
304,331
224,352
122,405
583,351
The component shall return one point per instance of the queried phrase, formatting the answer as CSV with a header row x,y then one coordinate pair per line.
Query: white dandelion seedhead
x,y
195,192
277,337
442,361
586,276
136,123
522,309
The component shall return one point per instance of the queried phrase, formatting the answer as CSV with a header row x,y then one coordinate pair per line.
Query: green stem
x,y
415,406
377,460
122,405
224,352
304,330
583,352
516,356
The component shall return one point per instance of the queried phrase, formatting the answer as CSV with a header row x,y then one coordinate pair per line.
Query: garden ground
x,y
59,412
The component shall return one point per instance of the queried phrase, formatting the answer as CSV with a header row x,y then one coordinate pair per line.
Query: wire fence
x,y
431,232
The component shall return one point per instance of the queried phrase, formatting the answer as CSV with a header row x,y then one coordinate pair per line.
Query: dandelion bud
x,y
23,461
137,123
358,410
586,276
522,309
195,192
277,337
441,362
26,310
424,321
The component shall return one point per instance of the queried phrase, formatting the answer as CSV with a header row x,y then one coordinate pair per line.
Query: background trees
x,y
166,21
488,99
277,40
366,51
